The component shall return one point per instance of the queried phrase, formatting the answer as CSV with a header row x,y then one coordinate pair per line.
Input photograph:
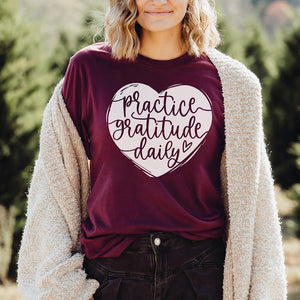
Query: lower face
x,y
161,15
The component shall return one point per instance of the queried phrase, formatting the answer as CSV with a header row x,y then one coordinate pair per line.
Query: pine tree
x,y
256,52
284,114
230,43
259,59
22,98
67,44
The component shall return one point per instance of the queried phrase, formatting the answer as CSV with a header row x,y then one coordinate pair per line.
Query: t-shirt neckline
x,y
165,63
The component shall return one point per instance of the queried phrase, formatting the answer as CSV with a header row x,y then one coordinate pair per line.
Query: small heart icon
x,y
186,146
159,132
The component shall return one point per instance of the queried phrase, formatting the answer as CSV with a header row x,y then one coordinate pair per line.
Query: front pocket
x,y
207,283
213,257
205,273
108,290
95,271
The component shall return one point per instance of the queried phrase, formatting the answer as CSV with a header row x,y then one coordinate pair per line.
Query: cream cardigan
x,y
50,258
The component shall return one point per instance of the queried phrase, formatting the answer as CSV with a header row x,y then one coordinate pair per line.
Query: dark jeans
x,y
161,266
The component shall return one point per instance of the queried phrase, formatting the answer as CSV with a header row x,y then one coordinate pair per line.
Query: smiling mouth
x,y
158,13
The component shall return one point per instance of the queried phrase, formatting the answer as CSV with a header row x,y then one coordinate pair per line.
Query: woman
x,y
180,203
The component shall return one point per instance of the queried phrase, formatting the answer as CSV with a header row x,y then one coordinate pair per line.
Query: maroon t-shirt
x,y
154,132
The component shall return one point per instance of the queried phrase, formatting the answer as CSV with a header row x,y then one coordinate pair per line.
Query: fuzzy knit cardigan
x,y
50,262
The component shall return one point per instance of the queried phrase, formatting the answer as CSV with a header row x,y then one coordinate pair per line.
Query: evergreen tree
x,y
284,114
68,44
21,101
230,41
259,59
256,52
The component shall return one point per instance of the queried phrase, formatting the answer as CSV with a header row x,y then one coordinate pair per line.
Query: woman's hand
x,y
92,298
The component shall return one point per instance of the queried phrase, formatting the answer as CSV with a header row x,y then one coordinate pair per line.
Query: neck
x,y
161,45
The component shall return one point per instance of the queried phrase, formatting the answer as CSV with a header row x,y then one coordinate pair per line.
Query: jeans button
x,y
157,241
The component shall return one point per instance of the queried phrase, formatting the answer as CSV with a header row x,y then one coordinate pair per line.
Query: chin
x,y
159,28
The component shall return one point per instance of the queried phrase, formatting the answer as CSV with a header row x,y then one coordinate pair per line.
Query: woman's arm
x,y
50,261
268,280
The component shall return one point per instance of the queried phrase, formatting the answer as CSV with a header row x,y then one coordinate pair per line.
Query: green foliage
x,y
249,45
230,39
284,114
258,57
67,44
225,34
256,51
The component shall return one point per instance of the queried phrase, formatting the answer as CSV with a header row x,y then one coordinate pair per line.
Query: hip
x,y
159,266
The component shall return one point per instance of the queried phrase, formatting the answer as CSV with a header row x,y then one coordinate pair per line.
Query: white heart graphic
x,y
159,131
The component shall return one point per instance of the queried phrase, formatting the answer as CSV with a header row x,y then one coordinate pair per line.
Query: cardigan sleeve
x,y
268,280
50,264
254,264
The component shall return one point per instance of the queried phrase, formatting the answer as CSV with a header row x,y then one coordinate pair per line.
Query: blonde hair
x,y
199,29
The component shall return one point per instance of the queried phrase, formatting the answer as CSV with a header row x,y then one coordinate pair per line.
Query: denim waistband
x,y
161,265
169,241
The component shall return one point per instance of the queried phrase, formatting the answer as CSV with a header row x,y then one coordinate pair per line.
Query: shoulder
x,y
89,54
84,63
232,72
82,66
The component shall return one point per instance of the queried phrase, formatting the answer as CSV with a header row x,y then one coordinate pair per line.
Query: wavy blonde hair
x,y
199,29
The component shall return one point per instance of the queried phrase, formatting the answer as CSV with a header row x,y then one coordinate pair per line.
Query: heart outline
x,y
188,148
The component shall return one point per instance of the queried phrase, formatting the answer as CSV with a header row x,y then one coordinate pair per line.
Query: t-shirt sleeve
x,y
74,92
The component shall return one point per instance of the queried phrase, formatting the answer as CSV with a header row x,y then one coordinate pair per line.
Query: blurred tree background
x,y
23,84
37,39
